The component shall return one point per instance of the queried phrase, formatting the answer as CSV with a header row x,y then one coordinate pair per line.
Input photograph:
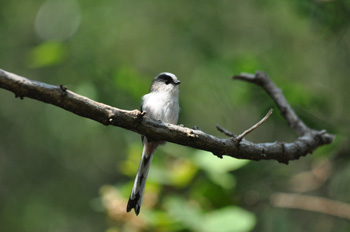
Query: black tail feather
x,y
134,204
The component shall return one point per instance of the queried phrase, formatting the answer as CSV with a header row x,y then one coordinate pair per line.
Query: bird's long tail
x,y
136,196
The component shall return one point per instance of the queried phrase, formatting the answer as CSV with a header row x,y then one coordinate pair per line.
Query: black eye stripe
x,y
168,79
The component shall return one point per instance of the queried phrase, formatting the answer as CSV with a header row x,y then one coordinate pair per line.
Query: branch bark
x,y
138,122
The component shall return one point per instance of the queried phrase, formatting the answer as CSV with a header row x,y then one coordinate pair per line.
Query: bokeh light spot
x,y
57,19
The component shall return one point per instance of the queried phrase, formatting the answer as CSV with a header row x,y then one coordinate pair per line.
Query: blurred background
x,y
61,172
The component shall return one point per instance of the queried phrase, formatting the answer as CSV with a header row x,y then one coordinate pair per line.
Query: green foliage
x,y
331,15
47,54
228,219
218,169
59,172
123,76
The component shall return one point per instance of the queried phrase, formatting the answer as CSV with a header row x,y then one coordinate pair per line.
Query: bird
x,y
161,104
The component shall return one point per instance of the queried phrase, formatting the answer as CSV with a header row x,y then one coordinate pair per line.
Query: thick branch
x,y
136,121
261,79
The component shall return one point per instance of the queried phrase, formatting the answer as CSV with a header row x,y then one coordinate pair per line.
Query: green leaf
x,y
184,213
178,176
211,164
47,54
225,180
228,219
217,169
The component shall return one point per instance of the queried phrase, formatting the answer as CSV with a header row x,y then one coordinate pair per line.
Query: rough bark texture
x,y
137,121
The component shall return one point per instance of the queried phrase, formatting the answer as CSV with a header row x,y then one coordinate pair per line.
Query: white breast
x,y
161,106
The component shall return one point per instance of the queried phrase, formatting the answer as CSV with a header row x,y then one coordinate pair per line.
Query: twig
x,y
241,136
246,132
311,203
224,131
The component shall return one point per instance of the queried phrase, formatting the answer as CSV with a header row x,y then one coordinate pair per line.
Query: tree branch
x,y
311,203
262,80
138,122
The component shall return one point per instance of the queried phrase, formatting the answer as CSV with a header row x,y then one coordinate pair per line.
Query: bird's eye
x,y
167,82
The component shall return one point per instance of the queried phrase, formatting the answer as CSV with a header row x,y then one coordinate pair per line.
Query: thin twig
x,y
246,132
241,136
224,131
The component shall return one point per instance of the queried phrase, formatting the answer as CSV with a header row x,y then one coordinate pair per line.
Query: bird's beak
x,y
177,83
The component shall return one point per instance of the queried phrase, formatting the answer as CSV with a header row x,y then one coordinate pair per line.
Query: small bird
x,y
162,104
